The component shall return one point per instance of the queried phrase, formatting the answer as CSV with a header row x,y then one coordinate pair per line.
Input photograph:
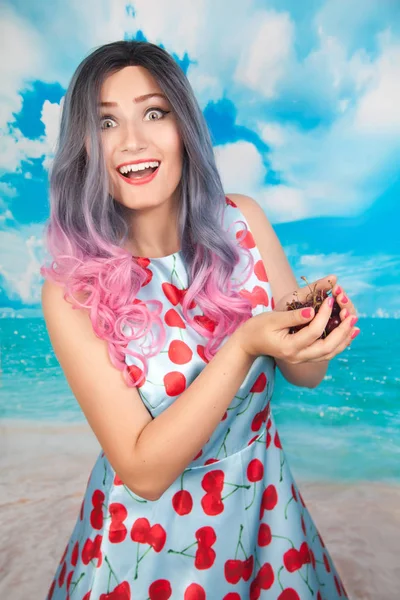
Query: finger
x,y
324,347
346,343
314,330
344,302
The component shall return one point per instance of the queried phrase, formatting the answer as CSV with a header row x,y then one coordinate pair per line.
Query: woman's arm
x,y
282,281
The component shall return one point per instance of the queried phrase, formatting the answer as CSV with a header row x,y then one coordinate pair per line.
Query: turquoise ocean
x,y
347,429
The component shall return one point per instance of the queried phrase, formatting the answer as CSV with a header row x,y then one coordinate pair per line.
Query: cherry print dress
x,y
234,525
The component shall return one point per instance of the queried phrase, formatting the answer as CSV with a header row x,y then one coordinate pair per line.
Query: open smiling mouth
x,y
142,175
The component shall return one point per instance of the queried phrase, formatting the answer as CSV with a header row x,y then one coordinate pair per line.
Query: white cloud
x,y
21,252
283,203
240,167
378,110
264,60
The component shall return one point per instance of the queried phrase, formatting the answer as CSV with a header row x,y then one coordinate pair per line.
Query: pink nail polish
x,y
306,312
330,302
338,291
345,299
355,333
353,321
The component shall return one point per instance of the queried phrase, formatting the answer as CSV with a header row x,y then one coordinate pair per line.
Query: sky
x,y
303,104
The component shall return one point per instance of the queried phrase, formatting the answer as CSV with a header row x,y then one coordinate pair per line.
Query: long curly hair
x,y
87,227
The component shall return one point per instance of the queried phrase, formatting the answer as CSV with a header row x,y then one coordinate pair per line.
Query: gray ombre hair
x,y
88,227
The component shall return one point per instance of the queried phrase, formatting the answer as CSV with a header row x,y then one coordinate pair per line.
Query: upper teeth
x,y
138,166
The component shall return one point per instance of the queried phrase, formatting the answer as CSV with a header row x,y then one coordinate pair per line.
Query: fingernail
x,y
338,290
353,321
346,313
330,302
355,333
306,312
345,299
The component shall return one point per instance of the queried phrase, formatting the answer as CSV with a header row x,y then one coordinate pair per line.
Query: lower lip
x,y
141,181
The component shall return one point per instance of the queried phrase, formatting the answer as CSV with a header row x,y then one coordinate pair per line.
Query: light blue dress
x,y
234,525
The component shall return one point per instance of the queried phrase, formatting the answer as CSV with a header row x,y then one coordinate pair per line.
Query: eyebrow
x,y
137,100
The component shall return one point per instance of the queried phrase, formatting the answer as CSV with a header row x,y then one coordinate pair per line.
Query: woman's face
x,y
135,129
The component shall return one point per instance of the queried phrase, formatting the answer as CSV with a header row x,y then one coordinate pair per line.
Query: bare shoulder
x,y
114,411
279,272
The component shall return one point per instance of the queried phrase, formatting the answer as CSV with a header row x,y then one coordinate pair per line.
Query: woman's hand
x,y
268,333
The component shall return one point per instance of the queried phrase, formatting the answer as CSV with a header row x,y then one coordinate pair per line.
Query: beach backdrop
x,y
302,103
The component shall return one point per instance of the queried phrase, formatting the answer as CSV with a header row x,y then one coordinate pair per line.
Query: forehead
x,y
129,81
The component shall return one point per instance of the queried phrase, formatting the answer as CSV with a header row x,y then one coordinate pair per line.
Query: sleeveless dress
x,y
234,525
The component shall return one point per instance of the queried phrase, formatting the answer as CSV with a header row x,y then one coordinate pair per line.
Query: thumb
x,y
302,315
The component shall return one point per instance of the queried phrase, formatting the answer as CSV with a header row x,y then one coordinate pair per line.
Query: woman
x,y
191,496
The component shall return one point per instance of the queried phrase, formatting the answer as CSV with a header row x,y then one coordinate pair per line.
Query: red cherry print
x,y
212,504
327,565
255,470
140,530
253,439
69,577
259,384
248,566
211,461
117,480
179,352
182,502
198,455
173,319
204,558
144,263
135,374
289,594
61,576
175,383
321,540
200,352
230,202
213,481
277,440
319,597
75,554
157,537
121,592
233,570
232,596
339,591
294,492
160,590
117,530
259,271
264,535
269,499
51,591
305,553
192,303
194,592
266,576
292,560
172,293
91,550
303,525
259,296
301,500
205,322
257,421
206,536
225,416
87,596
247,241
273,308
312,557
268,440
255,590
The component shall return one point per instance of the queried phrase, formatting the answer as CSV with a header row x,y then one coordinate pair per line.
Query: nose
x,y
133,137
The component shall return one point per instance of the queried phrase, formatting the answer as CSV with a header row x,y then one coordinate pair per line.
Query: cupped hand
x,y
340,338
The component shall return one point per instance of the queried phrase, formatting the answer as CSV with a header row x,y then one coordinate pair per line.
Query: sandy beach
x,y
44,471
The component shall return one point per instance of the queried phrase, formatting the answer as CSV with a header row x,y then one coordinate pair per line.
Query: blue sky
x,y
302,100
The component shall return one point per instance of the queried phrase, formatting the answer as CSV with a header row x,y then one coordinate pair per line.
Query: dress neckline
x,y
178,253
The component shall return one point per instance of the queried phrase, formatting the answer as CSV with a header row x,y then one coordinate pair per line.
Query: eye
x,y
105,119
155,110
